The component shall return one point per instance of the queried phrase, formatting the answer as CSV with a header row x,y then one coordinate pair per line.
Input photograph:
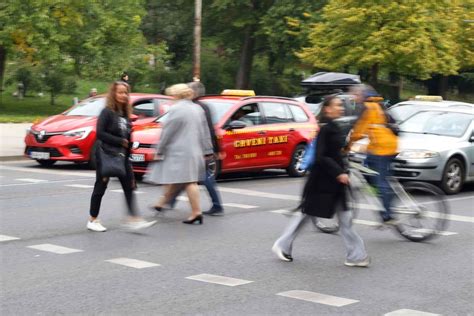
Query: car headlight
x,y
81,133
417,154
358,148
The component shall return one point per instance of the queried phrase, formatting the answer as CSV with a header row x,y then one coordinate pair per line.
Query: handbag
x,y
308,157
111,164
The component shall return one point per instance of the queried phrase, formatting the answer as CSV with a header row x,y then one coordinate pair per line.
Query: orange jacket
x,y
372,122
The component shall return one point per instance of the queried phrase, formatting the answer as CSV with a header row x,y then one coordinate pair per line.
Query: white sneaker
x,y
363,263
96,226
138,225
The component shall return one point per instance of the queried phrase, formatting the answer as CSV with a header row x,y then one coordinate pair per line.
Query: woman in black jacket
x,y
113,135
324,193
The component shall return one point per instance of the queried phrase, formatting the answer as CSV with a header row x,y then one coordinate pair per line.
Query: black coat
x,y
110,135
322,191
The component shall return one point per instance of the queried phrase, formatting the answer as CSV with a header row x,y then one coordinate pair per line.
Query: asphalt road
x,y
46,208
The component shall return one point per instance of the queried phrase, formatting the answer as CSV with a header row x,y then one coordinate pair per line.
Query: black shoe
x,y
214,212
157,208
280,254
198,219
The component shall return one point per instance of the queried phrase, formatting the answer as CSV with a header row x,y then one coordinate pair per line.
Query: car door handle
x,y
261,132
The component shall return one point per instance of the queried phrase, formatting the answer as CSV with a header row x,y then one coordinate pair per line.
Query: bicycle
x,y
420,208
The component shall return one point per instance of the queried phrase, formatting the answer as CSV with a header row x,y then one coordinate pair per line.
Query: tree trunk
x,y
437,85
374,74
3,58
246,58
52,97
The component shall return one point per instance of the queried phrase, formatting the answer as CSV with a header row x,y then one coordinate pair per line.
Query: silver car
x,y
435,145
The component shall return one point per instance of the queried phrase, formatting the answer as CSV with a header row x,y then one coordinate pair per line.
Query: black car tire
x,y
46,163
296,159
453,176
92,163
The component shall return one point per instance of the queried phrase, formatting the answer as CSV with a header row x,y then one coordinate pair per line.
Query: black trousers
x,y
100,186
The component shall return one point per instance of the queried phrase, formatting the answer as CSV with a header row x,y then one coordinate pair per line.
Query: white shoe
x,y
96,226
280,254
138,225
363,263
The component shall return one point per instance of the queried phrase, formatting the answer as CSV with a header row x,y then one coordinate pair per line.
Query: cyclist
x,y
383,143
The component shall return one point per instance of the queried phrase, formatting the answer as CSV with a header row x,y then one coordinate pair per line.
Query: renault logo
x,y
41,134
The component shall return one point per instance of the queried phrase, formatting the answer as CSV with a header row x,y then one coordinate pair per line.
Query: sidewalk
x,y
12,140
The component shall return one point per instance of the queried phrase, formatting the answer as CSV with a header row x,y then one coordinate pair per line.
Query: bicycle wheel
x,y
421,213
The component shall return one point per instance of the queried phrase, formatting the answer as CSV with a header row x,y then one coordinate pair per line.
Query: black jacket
x,y
110,137
207,111
322,191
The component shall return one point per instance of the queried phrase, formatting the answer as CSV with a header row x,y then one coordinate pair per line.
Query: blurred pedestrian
x,y
209,182
124,77
383,143
324,194
184,141
113,136
93,92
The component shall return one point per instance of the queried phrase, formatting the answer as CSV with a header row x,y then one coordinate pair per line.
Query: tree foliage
x,y
407,37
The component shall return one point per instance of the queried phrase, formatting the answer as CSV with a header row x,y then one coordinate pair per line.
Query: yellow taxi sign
x,y
435,98
240,93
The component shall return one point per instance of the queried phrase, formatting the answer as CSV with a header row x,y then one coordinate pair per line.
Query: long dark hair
x,y
327,102
111,102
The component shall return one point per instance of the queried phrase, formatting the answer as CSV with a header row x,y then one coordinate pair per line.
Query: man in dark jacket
x,y
209,181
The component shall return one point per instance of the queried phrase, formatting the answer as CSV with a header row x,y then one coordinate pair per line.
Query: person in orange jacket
x,y
383,143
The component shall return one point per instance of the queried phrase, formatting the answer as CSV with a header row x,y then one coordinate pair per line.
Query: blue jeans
x,y
210,184
381,164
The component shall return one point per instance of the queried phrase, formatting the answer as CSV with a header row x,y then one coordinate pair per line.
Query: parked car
x,y
403,110
71,135
435,145
255,132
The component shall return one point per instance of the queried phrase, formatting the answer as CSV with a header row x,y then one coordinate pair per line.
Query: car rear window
x,y
89,107
298,113
218,109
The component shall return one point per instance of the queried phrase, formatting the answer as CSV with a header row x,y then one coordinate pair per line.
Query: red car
x,y
255,132
71,135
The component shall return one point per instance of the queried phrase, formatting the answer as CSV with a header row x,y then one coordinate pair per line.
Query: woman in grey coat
x,y
184,141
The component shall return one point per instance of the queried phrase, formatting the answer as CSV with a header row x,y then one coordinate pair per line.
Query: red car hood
x,y
147,134
63,123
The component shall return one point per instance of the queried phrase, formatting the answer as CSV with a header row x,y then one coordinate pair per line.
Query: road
x,y
224,267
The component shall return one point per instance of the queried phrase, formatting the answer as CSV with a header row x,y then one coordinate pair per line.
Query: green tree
x,y
416,38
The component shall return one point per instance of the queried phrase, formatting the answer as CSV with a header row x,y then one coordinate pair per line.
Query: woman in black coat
x,y
113,135
324,193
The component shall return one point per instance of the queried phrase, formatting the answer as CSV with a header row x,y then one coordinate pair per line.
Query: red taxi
x,y
71,135
255,132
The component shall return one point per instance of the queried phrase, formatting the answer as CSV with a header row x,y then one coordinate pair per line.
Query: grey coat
x,y
184,141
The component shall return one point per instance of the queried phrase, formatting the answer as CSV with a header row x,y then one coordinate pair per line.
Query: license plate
x,y
137,157
39,155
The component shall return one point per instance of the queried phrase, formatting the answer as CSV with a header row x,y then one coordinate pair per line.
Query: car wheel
x,y
46,163
453,176
296,160
92,163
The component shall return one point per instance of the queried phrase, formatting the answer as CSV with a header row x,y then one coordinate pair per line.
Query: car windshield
x,y
437,123
218,109
402,112
89,107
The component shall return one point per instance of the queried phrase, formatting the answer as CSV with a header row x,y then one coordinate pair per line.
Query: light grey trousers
x,y
355,249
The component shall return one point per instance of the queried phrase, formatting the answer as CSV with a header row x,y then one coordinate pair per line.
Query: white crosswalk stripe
x,y
318,298
216,279
31,180
409,312
54,249
121,191
244,206
133,263
81,186
7,238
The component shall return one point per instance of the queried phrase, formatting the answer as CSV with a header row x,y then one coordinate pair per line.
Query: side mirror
x,y
471,139
133,117
236,125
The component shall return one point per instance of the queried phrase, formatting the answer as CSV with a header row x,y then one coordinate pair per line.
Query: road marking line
x,y
121,191
31,180
82,186
133,263
216,279
318,298
284,212
55,249
55,172
410,312
240,205
49,182
7,238
260,194
368,223
441,233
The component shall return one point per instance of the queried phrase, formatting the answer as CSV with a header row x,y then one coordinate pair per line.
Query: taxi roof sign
x,y
435,98
240,93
